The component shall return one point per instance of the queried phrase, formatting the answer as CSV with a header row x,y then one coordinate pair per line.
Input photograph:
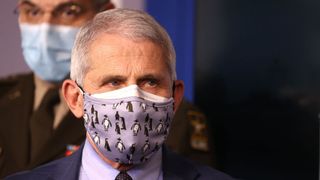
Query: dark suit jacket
x,y
174,167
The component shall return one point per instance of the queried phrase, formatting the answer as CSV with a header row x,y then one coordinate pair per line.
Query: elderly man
x,y
124,85
36,125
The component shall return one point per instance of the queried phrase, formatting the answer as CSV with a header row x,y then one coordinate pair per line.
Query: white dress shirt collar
x,y
94,168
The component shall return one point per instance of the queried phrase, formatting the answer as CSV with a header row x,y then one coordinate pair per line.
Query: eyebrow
x,y
149,76
66,4
108,78
60,6
26,2
21,3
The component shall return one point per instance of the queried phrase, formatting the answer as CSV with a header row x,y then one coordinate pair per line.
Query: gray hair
x,y
132,24
100,2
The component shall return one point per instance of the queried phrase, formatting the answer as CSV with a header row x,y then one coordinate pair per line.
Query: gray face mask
x,y
127,125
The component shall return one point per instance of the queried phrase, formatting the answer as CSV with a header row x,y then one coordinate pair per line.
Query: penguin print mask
x,y
127,125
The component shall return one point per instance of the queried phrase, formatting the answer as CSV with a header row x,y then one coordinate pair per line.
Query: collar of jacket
x,y
174,167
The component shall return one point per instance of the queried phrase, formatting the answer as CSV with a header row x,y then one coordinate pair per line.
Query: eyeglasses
x,y
63,13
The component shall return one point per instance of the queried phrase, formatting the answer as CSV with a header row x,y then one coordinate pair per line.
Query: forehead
x,y
119,53
51,4
113,45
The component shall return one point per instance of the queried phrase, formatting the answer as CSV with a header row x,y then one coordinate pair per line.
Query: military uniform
x,y
189,135
16,108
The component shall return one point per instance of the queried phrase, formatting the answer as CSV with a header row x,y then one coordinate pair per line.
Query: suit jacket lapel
x,y
176,167
66,168
71,167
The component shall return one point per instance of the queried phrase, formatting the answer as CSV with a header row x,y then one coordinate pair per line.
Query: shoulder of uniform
x,y
197,120
13,78
193,110
11,82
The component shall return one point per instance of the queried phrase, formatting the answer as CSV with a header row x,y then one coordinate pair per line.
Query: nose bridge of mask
x,y
62,37
58,38
44,36
30,35
130,91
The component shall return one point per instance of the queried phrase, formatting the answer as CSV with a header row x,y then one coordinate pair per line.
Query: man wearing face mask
x,y
123,73
36,125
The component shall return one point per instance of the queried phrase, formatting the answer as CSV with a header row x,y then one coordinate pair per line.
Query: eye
x,y
29,12
151,83
114,83
34,12
71,11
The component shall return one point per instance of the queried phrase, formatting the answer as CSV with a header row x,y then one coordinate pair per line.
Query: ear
x,y
106,6
178,93
73,97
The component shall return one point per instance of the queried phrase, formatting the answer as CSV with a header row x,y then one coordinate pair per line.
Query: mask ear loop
x,y
80,88
173,88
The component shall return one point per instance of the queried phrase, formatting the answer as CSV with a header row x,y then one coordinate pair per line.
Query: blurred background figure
x,y
36,124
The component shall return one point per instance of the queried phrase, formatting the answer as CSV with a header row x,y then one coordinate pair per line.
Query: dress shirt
x,y
94,168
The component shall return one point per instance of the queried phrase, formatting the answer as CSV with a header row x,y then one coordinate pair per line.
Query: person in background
x,y
37,126
123,82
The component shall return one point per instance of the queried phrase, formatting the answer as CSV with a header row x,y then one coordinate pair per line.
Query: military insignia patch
x,y
199,133
14,95
71,149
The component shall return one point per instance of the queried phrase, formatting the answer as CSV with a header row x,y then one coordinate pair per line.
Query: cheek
x,y
21,19
88,83
162,89
168,88
166,91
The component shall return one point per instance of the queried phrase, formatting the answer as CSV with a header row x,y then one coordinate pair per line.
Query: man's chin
x,y
115,165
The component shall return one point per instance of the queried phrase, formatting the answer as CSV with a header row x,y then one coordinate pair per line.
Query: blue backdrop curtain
x,y
177,17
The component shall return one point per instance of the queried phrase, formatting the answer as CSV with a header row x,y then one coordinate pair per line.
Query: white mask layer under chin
x,y
130,91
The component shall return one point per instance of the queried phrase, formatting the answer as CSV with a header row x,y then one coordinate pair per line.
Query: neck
x,y
116,165
41,87
50,85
